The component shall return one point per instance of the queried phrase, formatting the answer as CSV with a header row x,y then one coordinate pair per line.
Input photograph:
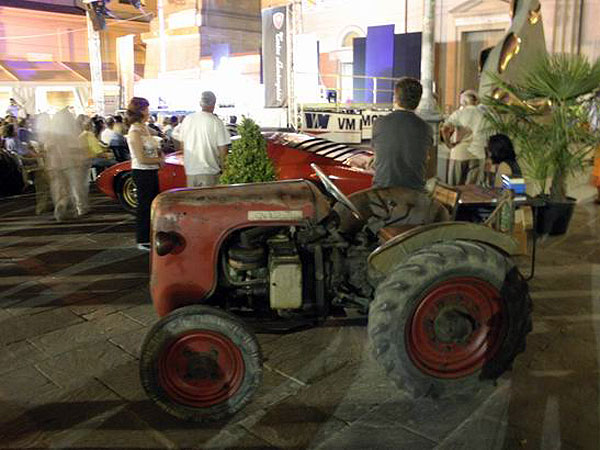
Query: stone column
x,y
428,108
95,67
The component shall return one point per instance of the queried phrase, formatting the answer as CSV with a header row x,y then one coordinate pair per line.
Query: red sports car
x,y
291,154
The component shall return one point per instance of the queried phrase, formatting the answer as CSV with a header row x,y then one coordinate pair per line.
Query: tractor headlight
x,y
168,242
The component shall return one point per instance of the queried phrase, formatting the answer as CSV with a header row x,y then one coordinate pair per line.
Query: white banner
x,y
125,67
337,127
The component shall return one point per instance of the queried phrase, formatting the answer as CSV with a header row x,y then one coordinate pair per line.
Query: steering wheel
x,y
335,192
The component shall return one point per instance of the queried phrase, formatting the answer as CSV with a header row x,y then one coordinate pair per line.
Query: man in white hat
x,y
205,140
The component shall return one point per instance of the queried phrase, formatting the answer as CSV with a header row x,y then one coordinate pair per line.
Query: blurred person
x,y
14,109
169,125
100,155
464,133
40,129
11,142
82,121
503,157
118,143
169,143
68,165
153,127
204,139
145,162
107,133
24,131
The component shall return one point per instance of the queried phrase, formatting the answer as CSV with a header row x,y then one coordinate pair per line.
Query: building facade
x,y
462,30
44,58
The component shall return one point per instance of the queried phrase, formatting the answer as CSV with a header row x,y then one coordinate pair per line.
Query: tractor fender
x,y
399,247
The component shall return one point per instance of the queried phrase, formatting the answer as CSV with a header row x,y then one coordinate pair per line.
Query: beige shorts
x,y
202,180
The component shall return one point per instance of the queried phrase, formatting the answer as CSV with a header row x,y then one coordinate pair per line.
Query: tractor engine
x,y
265,263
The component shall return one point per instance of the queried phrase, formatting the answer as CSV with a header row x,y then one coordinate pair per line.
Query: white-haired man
x,y
205,140
467,154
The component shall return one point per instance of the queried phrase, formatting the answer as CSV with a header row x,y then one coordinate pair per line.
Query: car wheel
x,y
200,364
127,192
448,318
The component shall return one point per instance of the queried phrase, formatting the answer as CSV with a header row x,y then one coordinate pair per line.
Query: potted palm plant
x,y
248,161
543,116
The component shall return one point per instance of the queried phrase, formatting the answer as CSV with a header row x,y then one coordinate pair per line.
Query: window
x,y
347,41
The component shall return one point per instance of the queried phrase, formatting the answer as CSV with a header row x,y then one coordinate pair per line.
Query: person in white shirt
x,y
467,154
14,109
108,133
205,140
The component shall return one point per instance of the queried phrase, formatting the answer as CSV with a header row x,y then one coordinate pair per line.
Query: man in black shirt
x,y
402,140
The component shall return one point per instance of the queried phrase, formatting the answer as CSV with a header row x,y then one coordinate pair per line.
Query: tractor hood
x,y
202,218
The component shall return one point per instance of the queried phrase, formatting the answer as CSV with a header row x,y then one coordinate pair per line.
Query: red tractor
x,y
447,308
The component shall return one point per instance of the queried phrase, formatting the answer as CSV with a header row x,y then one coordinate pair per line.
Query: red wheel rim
x,y
201,369
457,327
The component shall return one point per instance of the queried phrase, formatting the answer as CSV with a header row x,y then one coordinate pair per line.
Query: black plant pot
x,y
553,218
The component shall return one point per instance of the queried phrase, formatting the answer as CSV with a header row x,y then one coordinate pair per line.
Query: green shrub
x,y
248,161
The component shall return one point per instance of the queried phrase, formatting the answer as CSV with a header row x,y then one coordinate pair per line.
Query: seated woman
x,y
100,155
502,154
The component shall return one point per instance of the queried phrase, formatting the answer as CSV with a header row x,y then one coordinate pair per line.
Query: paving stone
x,y
236,437
361,436
426,417
145,312
30,326
313,354
19,354
352,391
87,332
563,402
93,307
59,415
483,432
191,435
124,380
292,424
131,342
24,384
73,368
119,427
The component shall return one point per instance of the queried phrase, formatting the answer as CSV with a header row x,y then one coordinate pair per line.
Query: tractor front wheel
x,y
200,364
448,318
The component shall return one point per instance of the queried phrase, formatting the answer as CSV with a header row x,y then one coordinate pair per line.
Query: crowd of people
x,y
61,153
64,151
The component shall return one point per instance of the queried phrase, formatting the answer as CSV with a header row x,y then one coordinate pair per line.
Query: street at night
x,y
76,308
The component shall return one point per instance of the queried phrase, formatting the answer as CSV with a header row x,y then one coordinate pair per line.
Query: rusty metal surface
x,y
204,217
397,248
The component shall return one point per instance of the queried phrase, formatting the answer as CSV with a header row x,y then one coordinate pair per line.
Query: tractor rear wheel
x,y
200,364
448,318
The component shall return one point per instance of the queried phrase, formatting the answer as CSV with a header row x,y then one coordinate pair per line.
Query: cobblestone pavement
x,y
75,308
